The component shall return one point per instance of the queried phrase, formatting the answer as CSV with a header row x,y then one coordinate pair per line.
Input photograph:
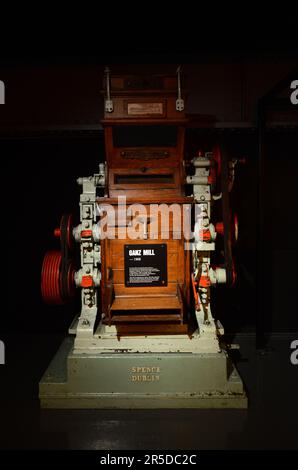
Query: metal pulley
x,y
219,227
58,270
64,232
57,286
229,234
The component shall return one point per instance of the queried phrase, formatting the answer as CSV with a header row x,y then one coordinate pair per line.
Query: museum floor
x,y
269,423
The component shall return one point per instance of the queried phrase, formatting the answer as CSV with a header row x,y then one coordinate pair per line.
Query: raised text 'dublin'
x,y
145,374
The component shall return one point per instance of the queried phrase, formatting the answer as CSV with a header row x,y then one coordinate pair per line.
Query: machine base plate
x,y
140,380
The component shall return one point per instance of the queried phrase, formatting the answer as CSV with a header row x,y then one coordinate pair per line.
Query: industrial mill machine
x,y
145,336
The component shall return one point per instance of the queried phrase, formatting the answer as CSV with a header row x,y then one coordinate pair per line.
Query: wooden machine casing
x,y
145,174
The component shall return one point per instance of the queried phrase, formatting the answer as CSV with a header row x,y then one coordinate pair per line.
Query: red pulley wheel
x,y
64,232
219,227
69,227
71,288
50,278
234,273
217,158
235,228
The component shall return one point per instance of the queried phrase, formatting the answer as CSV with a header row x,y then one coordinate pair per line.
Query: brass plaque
x,y
144,154
144,109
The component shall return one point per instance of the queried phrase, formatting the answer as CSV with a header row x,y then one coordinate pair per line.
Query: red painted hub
x,y
64,232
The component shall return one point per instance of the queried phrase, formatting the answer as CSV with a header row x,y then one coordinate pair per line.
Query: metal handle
x,y
109,106
179,101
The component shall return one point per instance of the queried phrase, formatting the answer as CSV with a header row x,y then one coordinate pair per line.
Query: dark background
x,y
50,134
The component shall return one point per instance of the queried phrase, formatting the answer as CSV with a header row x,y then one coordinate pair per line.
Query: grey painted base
x,y
140,380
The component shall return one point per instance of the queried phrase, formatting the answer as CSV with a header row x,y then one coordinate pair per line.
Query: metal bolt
x,y
87,224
